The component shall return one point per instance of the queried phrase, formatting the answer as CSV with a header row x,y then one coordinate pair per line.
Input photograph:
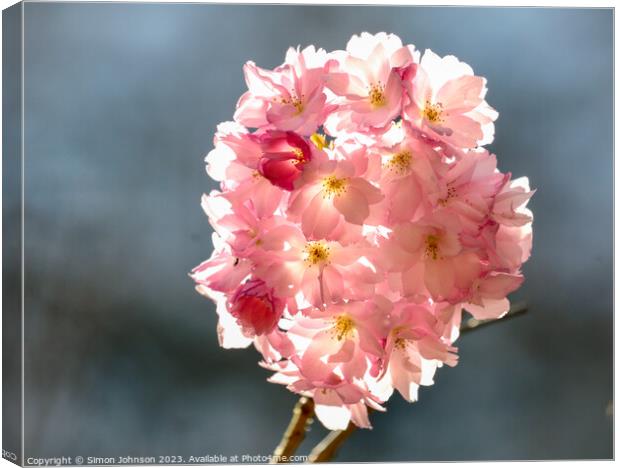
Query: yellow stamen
x,y
343,327
297,104
377,95
333,186
432,112
399,342
400,162
299,156
316,253
432,247
253,233
450,195
294,101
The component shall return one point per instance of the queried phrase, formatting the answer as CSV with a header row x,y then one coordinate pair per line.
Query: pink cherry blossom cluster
x,y
358,215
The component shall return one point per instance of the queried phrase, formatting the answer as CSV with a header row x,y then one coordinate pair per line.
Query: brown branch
x,y
516,310
296,430
326,449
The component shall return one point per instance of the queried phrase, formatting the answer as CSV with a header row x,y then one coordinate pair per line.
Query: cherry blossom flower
x,y
405,169
289,98
235,163
436,256
222,272
488,299
346,336
255,307
369,82
447,100
324,271
237,223
283,158
333,192
338,401
467,188
414,349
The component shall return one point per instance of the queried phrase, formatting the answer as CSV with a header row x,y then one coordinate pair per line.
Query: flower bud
x,y
256,308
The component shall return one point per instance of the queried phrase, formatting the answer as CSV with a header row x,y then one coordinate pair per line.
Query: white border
x,y
574,4
480,3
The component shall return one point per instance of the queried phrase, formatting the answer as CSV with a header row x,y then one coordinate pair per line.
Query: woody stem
x,y
296,431
516,310
328,447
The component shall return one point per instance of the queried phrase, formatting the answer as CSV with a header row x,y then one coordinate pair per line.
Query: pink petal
x,y
461,94
334,416
492,309
320,218
439,277
353,205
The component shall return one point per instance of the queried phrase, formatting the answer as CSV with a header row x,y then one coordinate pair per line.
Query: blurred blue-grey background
x,y
121,102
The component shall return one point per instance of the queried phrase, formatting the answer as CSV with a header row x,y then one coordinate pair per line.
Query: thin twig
x,y
325,450
296,430
328,447
515,311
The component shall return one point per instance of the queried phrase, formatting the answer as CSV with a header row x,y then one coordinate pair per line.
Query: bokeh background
x,y
121,102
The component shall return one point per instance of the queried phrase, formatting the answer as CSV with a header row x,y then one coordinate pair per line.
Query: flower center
x,y
316,252
377,95
294,101
333,186
399,342
431,249
343,327
432,112
297,104
449,196
400,162
299,156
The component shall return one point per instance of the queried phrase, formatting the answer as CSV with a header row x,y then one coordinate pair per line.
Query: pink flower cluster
x,y
358,215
